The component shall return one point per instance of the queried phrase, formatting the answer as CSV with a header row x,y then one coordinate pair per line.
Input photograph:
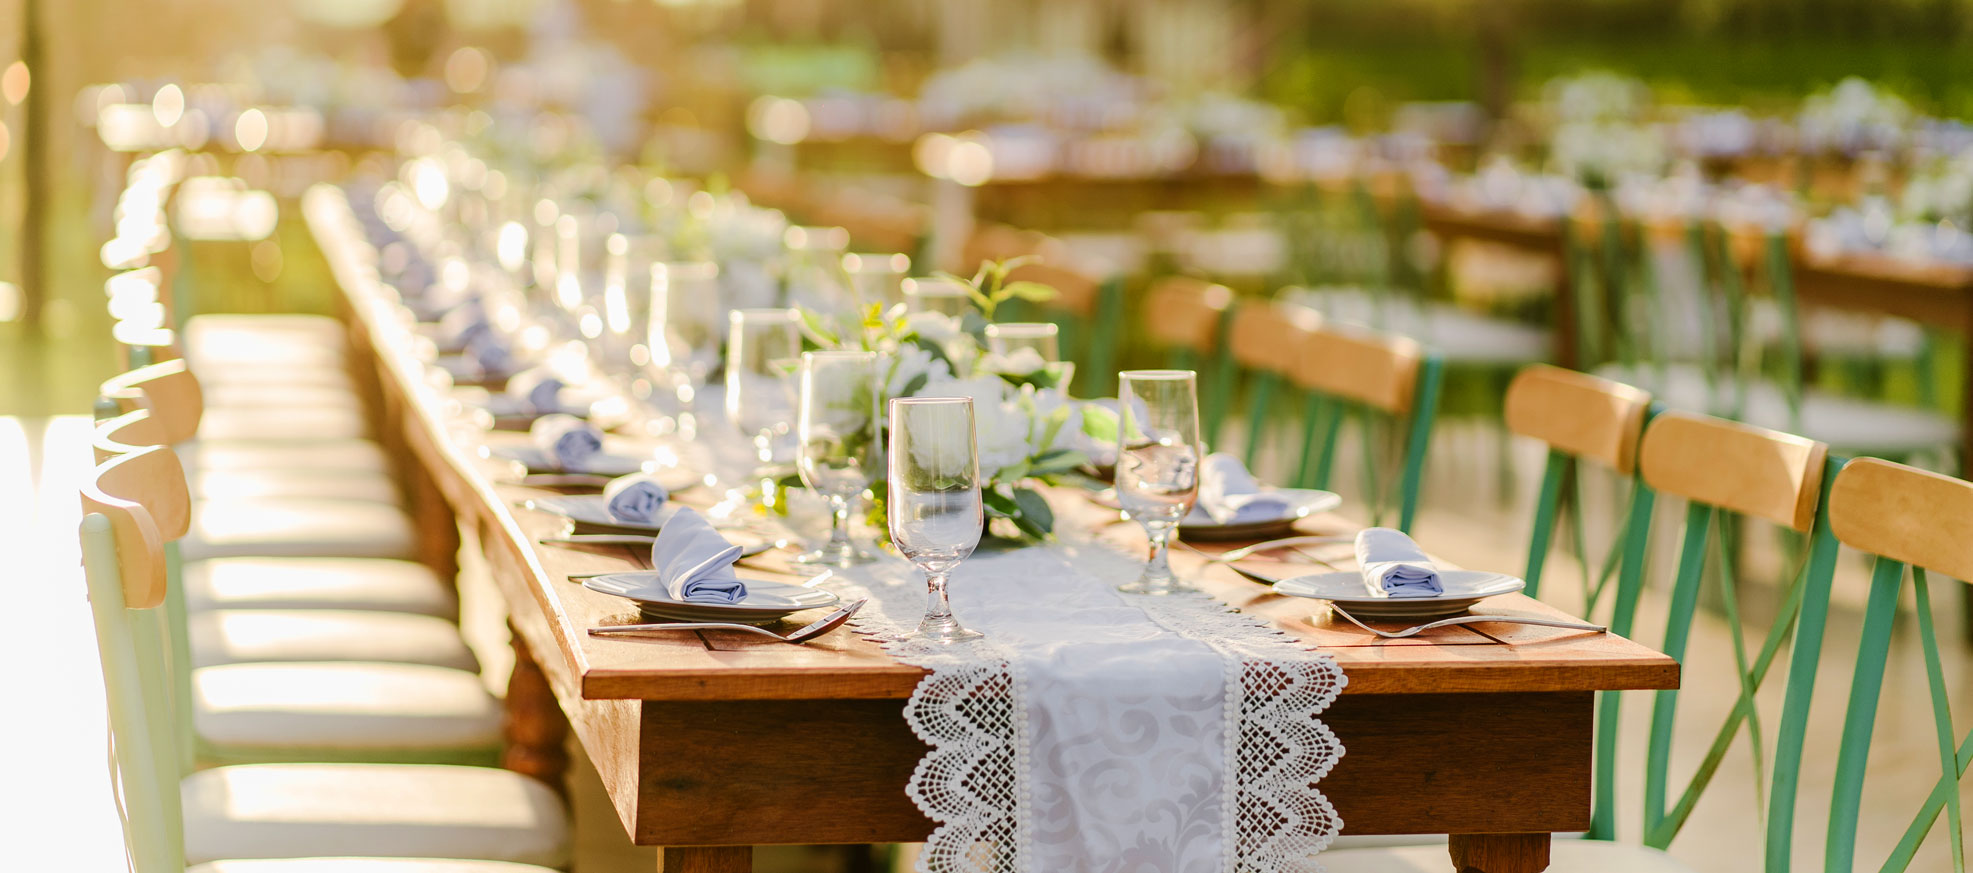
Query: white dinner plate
x,y
514,413
593,510
1197,525
601,463
1463,588
765,601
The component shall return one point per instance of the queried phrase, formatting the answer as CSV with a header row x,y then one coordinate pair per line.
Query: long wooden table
x,y
690,734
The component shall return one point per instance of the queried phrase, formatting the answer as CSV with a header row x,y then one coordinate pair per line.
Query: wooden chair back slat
x,y
1183,312
151,477
1749,470
168,389
1377,370
1579,414
1269,336
113,492
126,433
1906,514
1076,293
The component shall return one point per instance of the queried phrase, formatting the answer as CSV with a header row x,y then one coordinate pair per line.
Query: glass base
x,y
1154,586
832,554
945,629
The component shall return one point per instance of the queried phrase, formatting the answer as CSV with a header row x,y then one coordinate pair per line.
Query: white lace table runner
x,y
1097,731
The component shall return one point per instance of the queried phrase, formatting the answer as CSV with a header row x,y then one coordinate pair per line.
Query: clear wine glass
x,y
942,296
934,506
763,347
681,341
877,278
837,454
1158,454
1006,338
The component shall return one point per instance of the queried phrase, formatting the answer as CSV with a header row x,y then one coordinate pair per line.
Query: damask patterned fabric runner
x,y
1097,731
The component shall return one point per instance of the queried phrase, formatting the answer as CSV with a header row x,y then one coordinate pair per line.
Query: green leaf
x,y
1030,291
1099,423
1036,517
998,504
817,328
1056,461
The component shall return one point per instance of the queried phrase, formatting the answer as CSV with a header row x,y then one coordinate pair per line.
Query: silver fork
x,y
1227,558
1468,619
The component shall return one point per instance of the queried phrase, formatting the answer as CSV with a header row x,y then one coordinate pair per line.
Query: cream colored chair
x,y
313,813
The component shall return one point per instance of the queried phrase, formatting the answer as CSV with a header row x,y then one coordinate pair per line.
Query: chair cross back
x,y
117,491
1922,521
1738,467
1377,370
1586,417
132,431
1184,313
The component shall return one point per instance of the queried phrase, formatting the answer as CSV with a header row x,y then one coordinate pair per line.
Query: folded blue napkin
x,y
1231,495
537,387
1394,566
635,498
490,353
569,441
694,563
460,325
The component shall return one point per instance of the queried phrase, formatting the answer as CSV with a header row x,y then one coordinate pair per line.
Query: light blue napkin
x,y
635,498
537,387
1394,566
490,353
568,441
694,563
1231,495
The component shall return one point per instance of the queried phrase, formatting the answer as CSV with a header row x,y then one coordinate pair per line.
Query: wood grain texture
x,y
1905,514
534,729
1499,853
1183,312
706,859
1265,335
1579,414
1751,470
153,478
1378,370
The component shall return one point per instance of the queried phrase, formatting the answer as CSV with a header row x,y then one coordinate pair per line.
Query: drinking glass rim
x,y
1027,329
877,262
767,314
930,401
1158,375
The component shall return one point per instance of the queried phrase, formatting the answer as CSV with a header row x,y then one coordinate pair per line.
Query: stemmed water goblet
x,y
934,506
1158,455
762,349
837,453
681,342
1009,338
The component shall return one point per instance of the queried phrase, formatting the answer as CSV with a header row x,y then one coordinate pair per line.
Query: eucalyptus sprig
x,y
989,287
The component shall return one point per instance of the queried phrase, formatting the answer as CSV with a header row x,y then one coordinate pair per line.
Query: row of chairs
x,y
287,685
1913,521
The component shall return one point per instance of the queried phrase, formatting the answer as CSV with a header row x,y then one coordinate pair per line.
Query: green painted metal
x,y
1678,632
1224,376
1781,284
1100,358
1859,721
144,776
1551,494
1317,412
1264,385
1623,618
1424,409
1935,681
1946,790
1812,617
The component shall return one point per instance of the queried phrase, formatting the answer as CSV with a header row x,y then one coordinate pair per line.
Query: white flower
x,y
906,364
1000,426
933,327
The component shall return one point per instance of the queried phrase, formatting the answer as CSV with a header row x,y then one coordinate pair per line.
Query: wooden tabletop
x,y
724,666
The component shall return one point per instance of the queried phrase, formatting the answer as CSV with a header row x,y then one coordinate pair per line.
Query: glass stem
x,y
1159,566
937,608
839,506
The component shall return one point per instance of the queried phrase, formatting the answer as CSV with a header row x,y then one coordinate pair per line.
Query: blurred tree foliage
x,y
1346,60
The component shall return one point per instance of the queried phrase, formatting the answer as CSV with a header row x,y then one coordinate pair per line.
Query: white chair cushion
x,y
370,584
416,811
226,485
319,455
298,528
217,327
1565,856
283,423
366,865
265,709
239,636
251,395
277,352
263,377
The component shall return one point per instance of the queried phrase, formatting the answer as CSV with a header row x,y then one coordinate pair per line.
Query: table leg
x,y
1499,853
535,728
706,859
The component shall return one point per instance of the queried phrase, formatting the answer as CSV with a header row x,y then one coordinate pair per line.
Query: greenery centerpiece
x,y
1029,431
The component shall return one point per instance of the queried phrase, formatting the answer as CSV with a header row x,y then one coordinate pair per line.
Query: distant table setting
x,y
980,658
